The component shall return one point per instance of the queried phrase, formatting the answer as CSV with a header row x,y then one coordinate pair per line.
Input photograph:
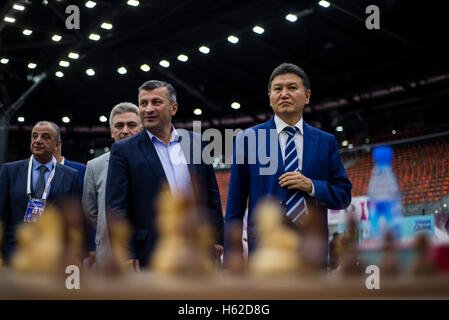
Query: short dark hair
x,y
154,84
284,68
53,125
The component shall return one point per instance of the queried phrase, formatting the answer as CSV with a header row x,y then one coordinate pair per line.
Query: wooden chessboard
x,y
221,286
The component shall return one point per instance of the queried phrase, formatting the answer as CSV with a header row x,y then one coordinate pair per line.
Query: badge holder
x,y
35,206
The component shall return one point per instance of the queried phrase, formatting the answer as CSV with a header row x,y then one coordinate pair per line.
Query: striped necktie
x,y
294,202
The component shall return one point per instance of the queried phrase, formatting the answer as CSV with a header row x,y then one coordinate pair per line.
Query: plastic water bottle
x,y
384,197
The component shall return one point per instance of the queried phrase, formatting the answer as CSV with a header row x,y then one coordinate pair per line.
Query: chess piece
x,y
347,249
278,245
119,234
423,265
389,264
74,231
40,244
313,248
234,259
185,239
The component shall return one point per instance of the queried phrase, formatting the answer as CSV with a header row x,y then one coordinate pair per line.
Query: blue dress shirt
x,y
35,172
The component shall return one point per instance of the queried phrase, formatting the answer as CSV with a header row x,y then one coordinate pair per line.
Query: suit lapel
x,y
187,149
149,151
56,182
310,145
23,176
271,125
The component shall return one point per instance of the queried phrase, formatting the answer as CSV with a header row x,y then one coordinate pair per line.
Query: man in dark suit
x,y
141,164
47,180
307,173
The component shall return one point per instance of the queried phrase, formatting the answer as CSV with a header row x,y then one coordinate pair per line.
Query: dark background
x,y
368,81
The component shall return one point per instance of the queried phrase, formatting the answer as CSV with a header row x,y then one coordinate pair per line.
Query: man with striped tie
x,y
310,176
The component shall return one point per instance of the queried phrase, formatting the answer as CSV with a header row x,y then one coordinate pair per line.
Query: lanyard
x,y
52,174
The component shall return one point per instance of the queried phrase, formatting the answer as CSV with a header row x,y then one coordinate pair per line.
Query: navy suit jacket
x,y
321,163
14,200
135,176
78,166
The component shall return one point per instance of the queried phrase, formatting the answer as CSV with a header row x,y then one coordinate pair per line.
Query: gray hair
x,y
53,125
154,84
284,68
123,107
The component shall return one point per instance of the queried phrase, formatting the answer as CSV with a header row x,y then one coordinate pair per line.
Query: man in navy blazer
x,y
141,164
321,178
13,182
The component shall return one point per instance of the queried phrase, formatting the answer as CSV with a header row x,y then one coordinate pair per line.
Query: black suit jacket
x,y
14,200
135,176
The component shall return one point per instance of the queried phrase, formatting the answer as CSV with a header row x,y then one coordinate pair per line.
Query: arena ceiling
x,y
367,81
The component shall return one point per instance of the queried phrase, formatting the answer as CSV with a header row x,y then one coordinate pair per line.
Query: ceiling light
x,y
65,119
21,119
204,49
106,25
90,4
4,60
183,58
59,74
133,3
164,63
122,70
235,105
197,111
56,37
145,67
32,65
103,119
27,32
73,55
94,37
324,4
339,129
258,30
350,146
9,19
106,149
18,7
64,63
233,39
393,131
345,143
91,151
291,17
90,72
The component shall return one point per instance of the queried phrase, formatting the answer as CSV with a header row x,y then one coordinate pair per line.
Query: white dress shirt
x,y
173,161
298,140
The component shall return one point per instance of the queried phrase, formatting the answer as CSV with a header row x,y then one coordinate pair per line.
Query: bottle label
x,y
384,216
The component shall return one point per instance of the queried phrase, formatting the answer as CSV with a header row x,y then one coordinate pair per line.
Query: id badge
x,y
34,210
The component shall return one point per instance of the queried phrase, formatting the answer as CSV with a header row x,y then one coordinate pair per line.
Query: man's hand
x,y
295,180
133,265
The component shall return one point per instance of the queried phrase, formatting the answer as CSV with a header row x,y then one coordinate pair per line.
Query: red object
x,y
441,256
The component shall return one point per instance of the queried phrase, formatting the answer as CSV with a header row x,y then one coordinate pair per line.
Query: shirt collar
x,y
37,164
280,124
174,136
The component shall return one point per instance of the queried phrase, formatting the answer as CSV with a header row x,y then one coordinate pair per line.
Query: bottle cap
x,y
382,155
